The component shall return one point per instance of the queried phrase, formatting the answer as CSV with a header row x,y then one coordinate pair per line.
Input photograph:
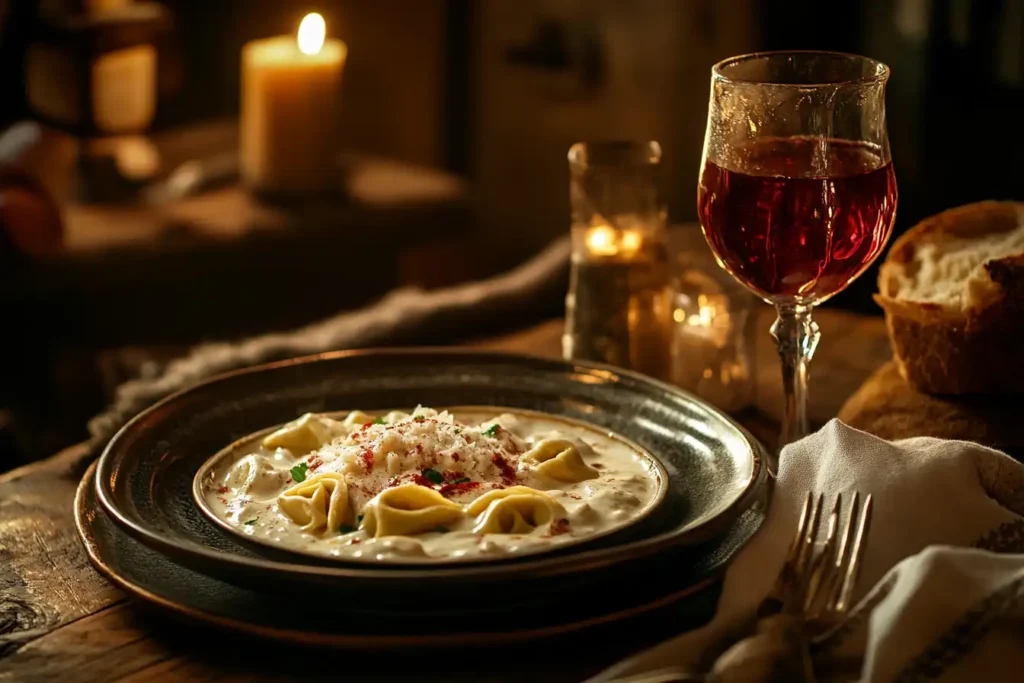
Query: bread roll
x,y
953,292
888,407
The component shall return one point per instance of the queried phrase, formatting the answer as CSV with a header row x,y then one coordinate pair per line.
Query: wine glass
x,y
797,194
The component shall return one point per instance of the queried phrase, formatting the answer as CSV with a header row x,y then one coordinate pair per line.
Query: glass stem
x,y
797,337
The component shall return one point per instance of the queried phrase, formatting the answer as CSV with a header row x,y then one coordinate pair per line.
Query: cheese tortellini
x,y
253,475
515,510
319,502
408,510
558,459
305,434
355,420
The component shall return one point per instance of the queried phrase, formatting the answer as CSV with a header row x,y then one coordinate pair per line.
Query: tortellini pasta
x,y
253,475
408,510
320,502
305,434
558,459
355,420
515,510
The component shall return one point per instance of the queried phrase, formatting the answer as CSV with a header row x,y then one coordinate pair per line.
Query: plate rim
x,y
544,566
320,639
661,492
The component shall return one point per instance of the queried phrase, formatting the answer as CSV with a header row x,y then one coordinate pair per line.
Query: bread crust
x,y
946,350
888,407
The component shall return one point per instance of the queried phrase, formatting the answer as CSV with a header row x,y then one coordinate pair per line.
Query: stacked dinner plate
x,y
145,514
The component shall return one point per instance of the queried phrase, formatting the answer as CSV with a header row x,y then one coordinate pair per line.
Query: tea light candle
x,y
290,101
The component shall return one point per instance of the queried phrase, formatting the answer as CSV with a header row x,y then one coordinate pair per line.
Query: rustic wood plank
x,y
124,644
60,621
45,578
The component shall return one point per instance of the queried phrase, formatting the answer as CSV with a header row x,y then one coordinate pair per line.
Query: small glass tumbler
x,y
618,309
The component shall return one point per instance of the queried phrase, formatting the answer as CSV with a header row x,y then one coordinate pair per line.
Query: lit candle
x,y
290,100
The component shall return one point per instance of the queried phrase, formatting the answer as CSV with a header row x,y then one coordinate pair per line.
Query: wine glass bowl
x,y
797,193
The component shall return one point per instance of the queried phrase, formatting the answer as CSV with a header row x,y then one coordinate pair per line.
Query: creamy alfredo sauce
x,y
429,486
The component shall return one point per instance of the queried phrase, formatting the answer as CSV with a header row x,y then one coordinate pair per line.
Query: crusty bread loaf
x,y
888,407
953,292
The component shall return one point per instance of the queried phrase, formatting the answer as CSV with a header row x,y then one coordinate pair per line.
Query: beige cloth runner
x,y
403,315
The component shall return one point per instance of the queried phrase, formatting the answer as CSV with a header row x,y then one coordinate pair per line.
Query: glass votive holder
x,y
618,309
713,327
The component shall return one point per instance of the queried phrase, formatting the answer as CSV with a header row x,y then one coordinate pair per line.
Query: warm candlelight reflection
x,y
604,240
311,33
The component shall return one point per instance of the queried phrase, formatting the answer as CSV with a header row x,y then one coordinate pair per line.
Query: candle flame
x,y
311,33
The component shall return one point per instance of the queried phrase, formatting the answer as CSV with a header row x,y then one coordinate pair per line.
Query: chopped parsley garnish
x,y
463,480
491,431
434,476
346,529
359,519
442,529
458,430
379,421
252,521
299,472
419,418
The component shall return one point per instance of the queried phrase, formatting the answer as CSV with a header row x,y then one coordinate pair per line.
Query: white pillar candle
x,y
290,102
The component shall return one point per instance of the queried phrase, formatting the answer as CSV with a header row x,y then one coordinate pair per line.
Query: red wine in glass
x,y
798,218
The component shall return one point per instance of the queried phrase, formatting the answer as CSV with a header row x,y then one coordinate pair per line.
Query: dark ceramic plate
x,y
144,478
660,588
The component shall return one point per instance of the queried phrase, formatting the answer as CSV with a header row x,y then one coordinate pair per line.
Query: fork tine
x,y
824,564
842,554
807,545
856,555
788,579
801,531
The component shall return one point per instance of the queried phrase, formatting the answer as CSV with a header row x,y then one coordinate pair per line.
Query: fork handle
x,y
777,652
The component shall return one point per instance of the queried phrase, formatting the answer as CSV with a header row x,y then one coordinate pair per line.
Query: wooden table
x,y
60,621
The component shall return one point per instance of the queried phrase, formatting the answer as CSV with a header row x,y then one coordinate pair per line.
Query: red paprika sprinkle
x,y
560,526
367,458
507,473
449,489
456,456
315,462
223,489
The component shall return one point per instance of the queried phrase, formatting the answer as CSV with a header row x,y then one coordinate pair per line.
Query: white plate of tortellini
x,y
427,485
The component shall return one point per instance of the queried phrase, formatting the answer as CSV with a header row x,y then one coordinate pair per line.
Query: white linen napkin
x,y
943,571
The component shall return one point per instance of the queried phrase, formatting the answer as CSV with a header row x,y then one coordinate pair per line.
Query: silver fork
x,y
812,593
819,584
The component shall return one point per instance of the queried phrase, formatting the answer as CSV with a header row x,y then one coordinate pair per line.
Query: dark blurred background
x,y
480,100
